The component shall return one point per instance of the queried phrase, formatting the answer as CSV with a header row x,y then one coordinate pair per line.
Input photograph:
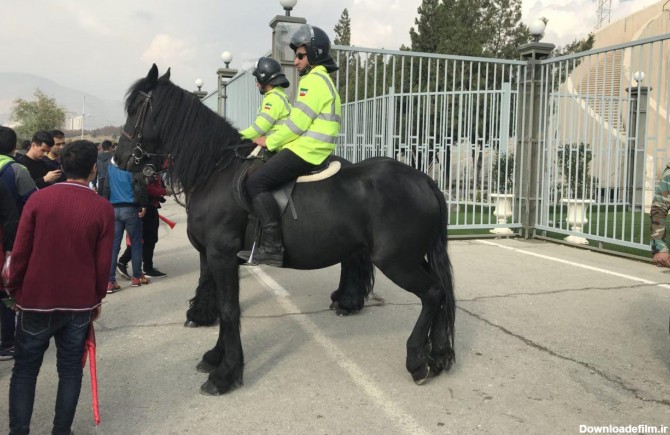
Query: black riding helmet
x,y
269,72
317,45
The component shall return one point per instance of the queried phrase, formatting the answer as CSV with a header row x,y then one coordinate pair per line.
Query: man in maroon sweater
x,y
58,279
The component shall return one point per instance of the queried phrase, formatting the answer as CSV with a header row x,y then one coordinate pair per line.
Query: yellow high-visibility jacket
x,y
274,109
312,128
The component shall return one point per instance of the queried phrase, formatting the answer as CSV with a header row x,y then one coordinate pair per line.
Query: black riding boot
x,y
271,249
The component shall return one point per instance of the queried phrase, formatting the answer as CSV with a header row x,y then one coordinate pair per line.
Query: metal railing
x,y
601,137
604,138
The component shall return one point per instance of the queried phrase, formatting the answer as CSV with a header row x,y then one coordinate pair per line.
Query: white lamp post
x,y
288,5
639,77
537,29
224,74
227,57
199,93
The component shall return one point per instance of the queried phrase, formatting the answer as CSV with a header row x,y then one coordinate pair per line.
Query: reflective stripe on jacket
x,y
312,128
274,109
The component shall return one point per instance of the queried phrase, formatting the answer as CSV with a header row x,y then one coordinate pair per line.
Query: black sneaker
x,y
154,273
123,270
7,353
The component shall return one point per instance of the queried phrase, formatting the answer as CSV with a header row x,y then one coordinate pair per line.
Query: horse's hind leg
x,y
356,281
442,353
418,280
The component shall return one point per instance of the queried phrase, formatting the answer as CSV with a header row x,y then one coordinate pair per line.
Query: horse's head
x,y
140,145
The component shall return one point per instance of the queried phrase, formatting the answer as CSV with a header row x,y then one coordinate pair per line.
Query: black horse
x,y
378,209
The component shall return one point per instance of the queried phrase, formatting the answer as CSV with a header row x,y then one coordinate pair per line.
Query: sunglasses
x,y
300,56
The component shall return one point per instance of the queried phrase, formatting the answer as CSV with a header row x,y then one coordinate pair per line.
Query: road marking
x,y
572,263
404,420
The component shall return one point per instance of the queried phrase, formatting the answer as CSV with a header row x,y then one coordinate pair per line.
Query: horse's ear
x,y
165,77
153,74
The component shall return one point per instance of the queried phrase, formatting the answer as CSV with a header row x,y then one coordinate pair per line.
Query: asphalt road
x,y
549,339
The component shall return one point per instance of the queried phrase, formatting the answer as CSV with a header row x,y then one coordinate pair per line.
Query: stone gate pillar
x,y
527,171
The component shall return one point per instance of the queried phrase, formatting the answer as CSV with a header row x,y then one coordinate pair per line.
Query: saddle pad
x,y
332,169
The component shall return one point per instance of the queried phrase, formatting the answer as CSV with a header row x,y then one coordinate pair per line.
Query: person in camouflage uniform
x,y
658,214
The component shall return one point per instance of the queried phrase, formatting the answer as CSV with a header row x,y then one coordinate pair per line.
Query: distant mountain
x,y
19,85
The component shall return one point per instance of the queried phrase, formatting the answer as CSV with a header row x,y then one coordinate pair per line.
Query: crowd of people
x,y
64,209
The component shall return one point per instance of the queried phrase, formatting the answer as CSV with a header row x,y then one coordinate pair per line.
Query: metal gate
x,y
452,117
603,141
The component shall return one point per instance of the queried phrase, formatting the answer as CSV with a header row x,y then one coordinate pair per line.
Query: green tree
x,y
42,114
429,25
343,29
576,46
505,31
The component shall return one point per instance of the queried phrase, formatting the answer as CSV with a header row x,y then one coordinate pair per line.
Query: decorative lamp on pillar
x,y
639,77
288,5
224,74
199,93
227,57
537,29
536,50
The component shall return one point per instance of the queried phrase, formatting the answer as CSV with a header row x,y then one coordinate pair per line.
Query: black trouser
x,y
280,169
150,223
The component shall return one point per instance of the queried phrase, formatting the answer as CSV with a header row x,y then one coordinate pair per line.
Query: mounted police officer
x,y
270,80
303,142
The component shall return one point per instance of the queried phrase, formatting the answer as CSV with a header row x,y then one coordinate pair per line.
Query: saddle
x,y
282,194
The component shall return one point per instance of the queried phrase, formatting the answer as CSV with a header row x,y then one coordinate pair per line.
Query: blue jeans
x,y
33,332
127,218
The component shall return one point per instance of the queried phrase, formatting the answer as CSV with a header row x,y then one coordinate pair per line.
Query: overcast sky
x,y
102,46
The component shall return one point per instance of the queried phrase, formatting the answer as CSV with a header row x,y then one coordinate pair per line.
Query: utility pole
x,y
603,12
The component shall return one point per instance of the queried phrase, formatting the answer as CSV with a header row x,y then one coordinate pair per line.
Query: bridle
x,y
138,153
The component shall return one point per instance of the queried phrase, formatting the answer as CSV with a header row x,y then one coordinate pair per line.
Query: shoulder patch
x,y
303,92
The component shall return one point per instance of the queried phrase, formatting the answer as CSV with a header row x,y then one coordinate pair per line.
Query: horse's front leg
x,y
203,309
229,372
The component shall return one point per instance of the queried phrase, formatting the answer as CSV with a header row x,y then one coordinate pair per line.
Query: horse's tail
x,y
440,265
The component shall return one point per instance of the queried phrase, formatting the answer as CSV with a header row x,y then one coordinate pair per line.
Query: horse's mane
x,y
198,139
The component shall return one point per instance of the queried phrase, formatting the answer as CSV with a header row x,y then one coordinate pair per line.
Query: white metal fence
x,y
604,139
599,138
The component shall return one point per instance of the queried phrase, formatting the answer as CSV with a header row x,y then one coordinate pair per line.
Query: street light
x,y
227,57
639,77
199,93
288,5
224,74
537,29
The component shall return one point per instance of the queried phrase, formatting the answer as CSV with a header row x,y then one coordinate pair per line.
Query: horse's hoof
x,y
342,311
191,324
421,376
205,367
209,389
